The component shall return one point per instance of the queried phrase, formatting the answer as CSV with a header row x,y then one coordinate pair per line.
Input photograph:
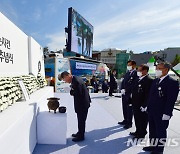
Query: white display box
x,y
51,128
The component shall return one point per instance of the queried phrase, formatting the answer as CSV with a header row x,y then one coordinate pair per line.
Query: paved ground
x,y
103,134
177,105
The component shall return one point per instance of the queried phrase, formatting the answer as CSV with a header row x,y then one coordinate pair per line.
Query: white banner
x,y
85,66
61,65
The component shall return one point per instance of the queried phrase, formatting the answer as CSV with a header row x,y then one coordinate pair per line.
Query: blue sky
x,y
138,25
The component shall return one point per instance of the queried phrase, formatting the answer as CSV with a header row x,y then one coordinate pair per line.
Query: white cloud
x,y
137,26
53,6
57,41
149,31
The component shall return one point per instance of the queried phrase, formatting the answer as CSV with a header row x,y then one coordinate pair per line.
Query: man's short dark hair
x,y
144,67
166,65
63,74
132,62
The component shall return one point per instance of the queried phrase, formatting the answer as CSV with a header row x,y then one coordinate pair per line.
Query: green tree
x,y
45,51
176,60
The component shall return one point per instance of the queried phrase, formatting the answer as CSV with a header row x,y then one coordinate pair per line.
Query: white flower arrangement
x,y
31,83
42,80
10,91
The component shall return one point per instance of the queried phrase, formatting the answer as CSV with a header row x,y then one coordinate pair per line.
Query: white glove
x,y
123,91
165,117
131,96
143,109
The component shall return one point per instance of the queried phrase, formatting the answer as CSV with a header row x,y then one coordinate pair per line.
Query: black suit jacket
x,y
94,84
128,84
141,91
112,83
81,95
163,96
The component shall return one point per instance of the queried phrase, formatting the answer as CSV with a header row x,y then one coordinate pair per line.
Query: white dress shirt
x,y
162,78
142,77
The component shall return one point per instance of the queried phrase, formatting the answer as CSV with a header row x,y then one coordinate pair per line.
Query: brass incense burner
x,y
53,103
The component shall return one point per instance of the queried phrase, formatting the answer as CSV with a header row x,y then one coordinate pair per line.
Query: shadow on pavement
x,y
97,141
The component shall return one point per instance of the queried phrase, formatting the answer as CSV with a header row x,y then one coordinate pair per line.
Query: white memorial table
x,y
18,124
51,128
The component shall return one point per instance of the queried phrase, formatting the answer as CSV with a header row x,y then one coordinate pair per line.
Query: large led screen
x,y
81,34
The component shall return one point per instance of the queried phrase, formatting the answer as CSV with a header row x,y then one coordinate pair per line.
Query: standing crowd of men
x,y
111,85
150,101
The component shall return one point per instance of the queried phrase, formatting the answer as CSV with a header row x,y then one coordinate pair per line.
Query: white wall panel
x,y
15,42
35,56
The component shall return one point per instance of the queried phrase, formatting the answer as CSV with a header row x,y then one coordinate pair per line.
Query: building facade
x,y
96,55
141,58
168,54
108,56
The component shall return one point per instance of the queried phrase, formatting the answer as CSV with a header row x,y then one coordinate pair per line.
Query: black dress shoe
x,y
75,135
77,139
133,133
127,126
149,148
122,123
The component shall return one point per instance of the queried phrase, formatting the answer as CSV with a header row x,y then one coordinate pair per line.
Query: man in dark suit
x,y
112,83
81,102
163,95
140,95
95,84
126,91
105,86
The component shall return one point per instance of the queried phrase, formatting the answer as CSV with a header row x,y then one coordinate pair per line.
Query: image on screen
x,y
81,35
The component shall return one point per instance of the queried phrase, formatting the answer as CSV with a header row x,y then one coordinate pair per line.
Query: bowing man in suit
x,y
126,91
163,95
81,102
140,95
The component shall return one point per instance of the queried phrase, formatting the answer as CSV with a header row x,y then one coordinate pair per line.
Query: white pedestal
x,y
18,124
51,128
